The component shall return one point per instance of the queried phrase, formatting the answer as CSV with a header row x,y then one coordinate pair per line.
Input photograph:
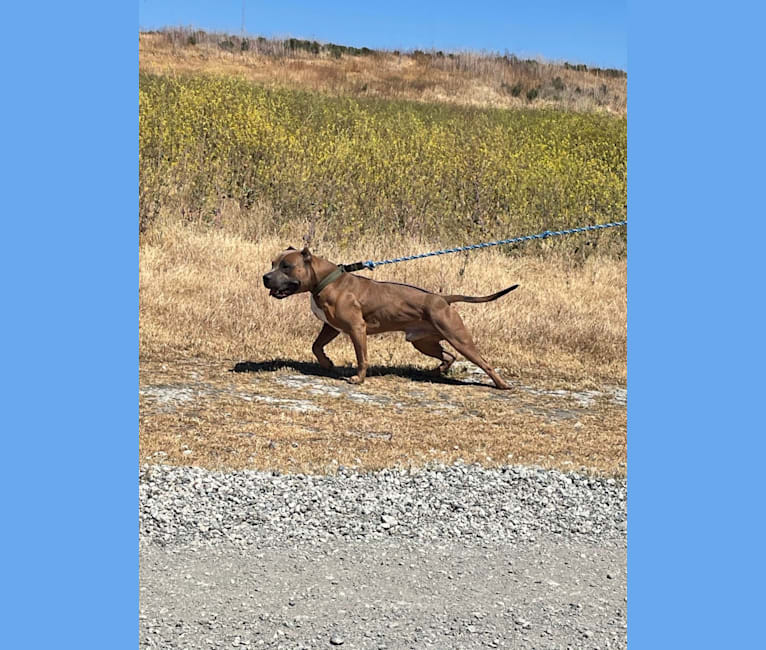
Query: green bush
x,y
514,90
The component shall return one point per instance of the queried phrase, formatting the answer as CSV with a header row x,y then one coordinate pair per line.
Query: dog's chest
x,y
318,312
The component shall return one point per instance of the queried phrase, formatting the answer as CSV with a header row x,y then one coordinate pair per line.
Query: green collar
x,y
331,277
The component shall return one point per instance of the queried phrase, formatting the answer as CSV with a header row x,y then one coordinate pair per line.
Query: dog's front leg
x,y
358,336
325,336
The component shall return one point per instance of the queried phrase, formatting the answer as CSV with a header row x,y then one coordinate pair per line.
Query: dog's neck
x,y
325,273
321,266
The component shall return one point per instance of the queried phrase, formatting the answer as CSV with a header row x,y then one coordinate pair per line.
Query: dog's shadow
x,y
342,372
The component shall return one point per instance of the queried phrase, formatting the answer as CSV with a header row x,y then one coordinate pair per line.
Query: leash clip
x,y
358,266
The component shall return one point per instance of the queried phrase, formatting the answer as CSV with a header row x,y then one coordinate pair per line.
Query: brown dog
x,y
360,306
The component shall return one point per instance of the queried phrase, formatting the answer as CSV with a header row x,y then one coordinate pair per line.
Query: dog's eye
x,y
287,267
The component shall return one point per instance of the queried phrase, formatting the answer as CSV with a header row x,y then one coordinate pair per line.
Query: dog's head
x,y
290,273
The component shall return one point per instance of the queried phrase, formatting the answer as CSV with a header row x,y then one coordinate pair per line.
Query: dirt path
x,y
550,594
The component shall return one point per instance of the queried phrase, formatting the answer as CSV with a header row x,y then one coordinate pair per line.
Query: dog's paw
x,y
356,379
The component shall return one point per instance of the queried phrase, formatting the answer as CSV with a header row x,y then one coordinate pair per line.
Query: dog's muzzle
x,y
280,285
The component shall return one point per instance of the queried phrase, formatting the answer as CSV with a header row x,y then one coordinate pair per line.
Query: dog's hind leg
x,y
325,336
431,347
449,324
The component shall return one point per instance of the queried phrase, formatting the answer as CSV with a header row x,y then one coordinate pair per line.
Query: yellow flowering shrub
x,y
370,166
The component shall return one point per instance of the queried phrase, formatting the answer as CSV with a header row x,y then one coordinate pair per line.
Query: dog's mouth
x,y
279,285
282,293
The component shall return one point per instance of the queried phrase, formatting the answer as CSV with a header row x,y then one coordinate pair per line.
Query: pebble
x,y
388,521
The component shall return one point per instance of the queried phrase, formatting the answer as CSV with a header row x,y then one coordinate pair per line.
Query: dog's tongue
x,y
273,292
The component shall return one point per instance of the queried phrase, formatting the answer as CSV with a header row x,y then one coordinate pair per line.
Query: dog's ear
x,y
289,248
306,254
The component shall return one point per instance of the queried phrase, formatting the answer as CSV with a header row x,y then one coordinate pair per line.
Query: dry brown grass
x,y
204,312
466,79
201,295
245,420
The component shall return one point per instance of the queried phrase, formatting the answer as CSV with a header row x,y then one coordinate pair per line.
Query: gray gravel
x,y
457,556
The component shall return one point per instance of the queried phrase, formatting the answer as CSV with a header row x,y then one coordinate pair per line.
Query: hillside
x,y
246,147
376,166
466,78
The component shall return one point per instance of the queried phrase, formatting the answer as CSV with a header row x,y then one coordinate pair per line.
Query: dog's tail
x,y
494,296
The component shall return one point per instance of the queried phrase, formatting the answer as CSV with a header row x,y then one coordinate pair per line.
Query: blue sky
x,y
593,32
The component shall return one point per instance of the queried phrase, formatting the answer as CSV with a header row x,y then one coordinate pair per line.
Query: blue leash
x,y
369,264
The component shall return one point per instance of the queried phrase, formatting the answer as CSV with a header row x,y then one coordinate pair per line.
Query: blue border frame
x,y
695,137
70,316
70,319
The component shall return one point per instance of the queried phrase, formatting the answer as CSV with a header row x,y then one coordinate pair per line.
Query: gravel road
x,y
445,557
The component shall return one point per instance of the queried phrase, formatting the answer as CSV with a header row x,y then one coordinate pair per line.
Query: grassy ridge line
x,y
375,167
468,78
